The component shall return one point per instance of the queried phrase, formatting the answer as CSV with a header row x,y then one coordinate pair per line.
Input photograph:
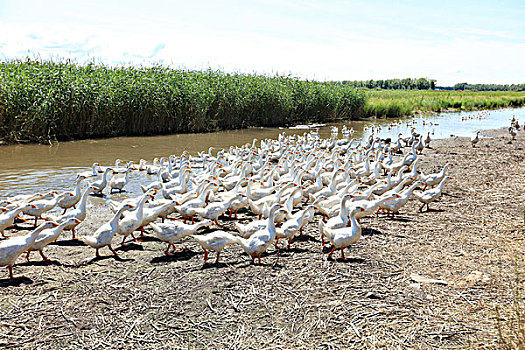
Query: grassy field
x,y
42,101
397,103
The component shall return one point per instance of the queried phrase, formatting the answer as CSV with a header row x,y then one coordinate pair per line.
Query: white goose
x,y
345,236
289,228
237,204
168,191
431,195
118,181
288,205
250,228
90,173
256,194
132,220
11,248
371,206
258,207
216,241
435,178
47,236
20,200
170,232
7,217
116,205
330,190
67,202
43,205
262,239
101,183
187,209
338,221
104,234
213,210
316,186
153,213
155,185
78,213
393,205
413,171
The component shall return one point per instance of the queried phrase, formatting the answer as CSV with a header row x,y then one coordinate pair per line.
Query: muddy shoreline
x,y
296,298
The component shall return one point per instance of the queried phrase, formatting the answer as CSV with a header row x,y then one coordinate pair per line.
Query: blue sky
x,y
451,41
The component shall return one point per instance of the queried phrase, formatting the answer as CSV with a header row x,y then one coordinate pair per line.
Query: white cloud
x,y
284,43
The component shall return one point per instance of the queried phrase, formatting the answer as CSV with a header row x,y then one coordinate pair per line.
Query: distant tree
x,y
393,84
489,87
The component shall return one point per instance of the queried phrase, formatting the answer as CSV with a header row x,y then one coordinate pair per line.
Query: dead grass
x,y
297,299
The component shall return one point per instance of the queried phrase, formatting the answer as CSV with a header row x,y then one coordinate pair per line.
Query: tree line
x,y
488,87
427,84
393,84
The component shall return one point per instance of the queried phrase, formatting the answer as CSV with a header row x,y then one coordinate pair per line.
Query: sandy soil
x,y
296,298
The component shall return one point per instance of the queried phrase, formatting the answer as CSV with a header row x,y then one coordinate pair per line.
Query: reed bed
x,y
46,100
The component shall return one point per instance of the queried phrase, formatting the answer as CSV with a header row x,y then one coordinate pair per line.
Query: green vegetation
x,y
397,103
42,101
428,84
488,87
393,84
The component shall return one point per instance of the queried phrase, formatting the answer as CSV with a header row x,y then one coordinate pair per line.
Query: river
x,y
32,168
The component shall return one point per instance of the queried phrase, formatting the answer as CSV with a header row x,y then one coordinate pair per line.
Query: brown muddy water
x,y
38,168
32,168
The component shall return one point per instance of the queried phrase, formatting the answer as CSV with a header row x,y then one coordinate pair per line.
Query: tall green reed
x,y
46,100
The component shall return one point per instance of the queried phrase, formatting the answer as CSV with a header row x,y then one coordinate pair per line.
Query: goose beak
x,y
54,223
78,221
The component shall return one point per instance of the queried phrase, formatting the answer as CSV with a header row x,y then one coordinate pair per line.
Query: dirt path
x,y
297,298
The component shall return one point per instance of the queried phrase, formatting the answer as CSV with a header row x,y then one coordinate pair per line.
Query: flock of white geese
x,y
282,182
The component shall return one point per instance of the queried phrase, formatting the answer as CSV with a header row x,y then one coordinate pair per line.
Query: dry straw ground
x,y
297,299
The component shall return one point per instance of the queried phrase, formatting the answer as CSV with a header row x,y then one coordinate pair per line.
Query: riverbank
x,y
46,101
297,298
